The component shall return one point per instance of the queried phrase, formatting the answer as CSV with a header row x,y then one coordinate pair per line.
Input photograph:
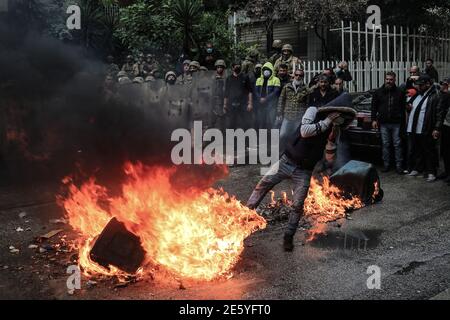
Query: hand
x,y
263,100
436,134
279,117
249,107
375,125
409,107
333,116
225,109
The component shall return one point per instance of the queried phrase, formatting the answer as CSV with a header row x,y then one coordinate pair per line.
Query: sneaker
x,y
431,178
400,171
413,173
405,172
288,243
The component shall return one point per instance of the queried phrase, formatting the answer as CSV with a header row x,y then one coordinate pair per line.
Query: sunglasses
x,y
298,75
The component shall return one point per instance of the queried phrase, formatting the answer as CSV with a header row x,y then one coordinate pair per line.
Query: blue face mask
x,y
209,50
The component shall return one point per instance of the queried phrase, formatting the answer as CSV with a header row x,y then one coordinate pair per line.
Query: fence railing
x,y
368,75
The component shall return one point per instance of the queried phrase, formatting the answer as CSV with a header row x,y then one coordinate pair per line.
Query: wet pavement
x,y
407,236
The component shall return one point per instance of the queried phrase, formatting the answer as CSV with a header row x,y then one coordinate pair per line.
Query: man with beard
x,y
291,107
431,71
283,75
423,129
323,94
388,109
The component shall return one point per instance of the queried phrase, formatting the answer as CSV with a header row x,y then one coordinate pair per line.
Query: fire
x,y
192,233
326,203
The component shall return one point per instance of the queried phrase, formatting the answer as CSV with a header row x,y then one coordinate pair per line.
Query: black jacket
x,y
388,105
431,120
317,100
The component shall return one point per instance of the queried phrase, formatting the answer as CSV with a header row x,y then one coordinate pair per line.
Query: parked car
x,y
360,133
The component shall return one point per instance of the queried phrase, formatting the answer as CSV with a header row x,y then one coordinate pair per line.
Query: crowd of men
x,y
414,117
411,117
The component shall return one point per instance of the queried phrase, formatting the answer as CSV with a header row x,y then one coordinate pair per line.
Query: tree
x,y
186,15
319,15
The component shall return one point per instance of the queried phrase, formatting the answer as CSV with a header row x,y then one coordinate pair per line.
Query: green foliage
x,y
174,26
146,27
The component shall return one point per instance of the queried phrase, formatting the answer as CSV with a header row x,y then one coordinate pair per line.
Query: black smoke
x,y
54,118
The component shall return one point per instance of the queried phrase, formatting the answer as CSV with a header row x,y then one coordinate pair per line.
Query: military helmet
x,y
124,80
203,68
253,53
130,57
220,63
170,73
195,64
138,80
121,74
187,62
277,44
288,47
258,66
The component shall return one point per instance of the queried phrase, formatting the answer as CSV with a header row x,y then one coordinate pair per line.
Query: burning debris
x,y
329,199
192,233
118,247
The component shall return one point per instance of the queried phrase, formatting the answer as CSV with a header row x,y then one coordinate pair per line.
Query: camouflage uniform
x,y
128,67
217,115
292,62
250,61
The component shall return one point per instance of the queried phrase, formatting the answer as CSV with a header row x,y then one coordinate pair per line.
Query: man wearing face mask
x,y
170,78
288,58
267,90
238,101
209,56
292,106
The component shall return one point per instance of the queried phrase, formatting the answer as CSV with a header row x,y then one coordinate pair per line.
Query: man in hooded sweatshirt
x,y
267,91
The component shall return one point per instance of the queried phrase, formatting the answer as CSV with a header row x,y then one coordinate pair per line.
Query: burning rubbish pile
x,y
329,199
191,233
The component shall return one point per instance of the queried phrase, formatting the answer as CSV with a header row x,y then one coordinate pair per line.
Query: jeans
x,y
287,131
284,169
391,132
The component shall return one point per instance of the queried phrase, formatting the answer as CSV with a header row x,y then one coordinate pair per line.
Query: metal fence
x,y
369,75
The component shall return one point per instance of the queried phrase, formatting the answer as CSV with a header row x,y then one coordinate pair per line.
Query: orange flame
x,y
193,234
326,203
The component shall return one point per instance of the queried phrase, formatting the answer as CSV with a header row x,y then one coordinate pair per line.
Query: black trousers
x,y
445,148
422,153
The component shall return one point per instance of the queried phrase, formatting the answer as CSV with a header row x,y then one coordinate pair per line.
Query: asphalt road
x,y
408,238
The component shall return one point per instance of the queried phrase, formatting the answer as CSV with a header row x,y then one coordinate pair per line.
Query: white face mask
x,y
267,73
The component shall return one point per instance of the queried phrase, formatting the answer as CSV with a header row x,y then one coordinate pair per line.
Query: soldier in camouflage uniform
x,y
276,52
138,67
185,77
289,59
248,66
218,114
128,67
111,68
